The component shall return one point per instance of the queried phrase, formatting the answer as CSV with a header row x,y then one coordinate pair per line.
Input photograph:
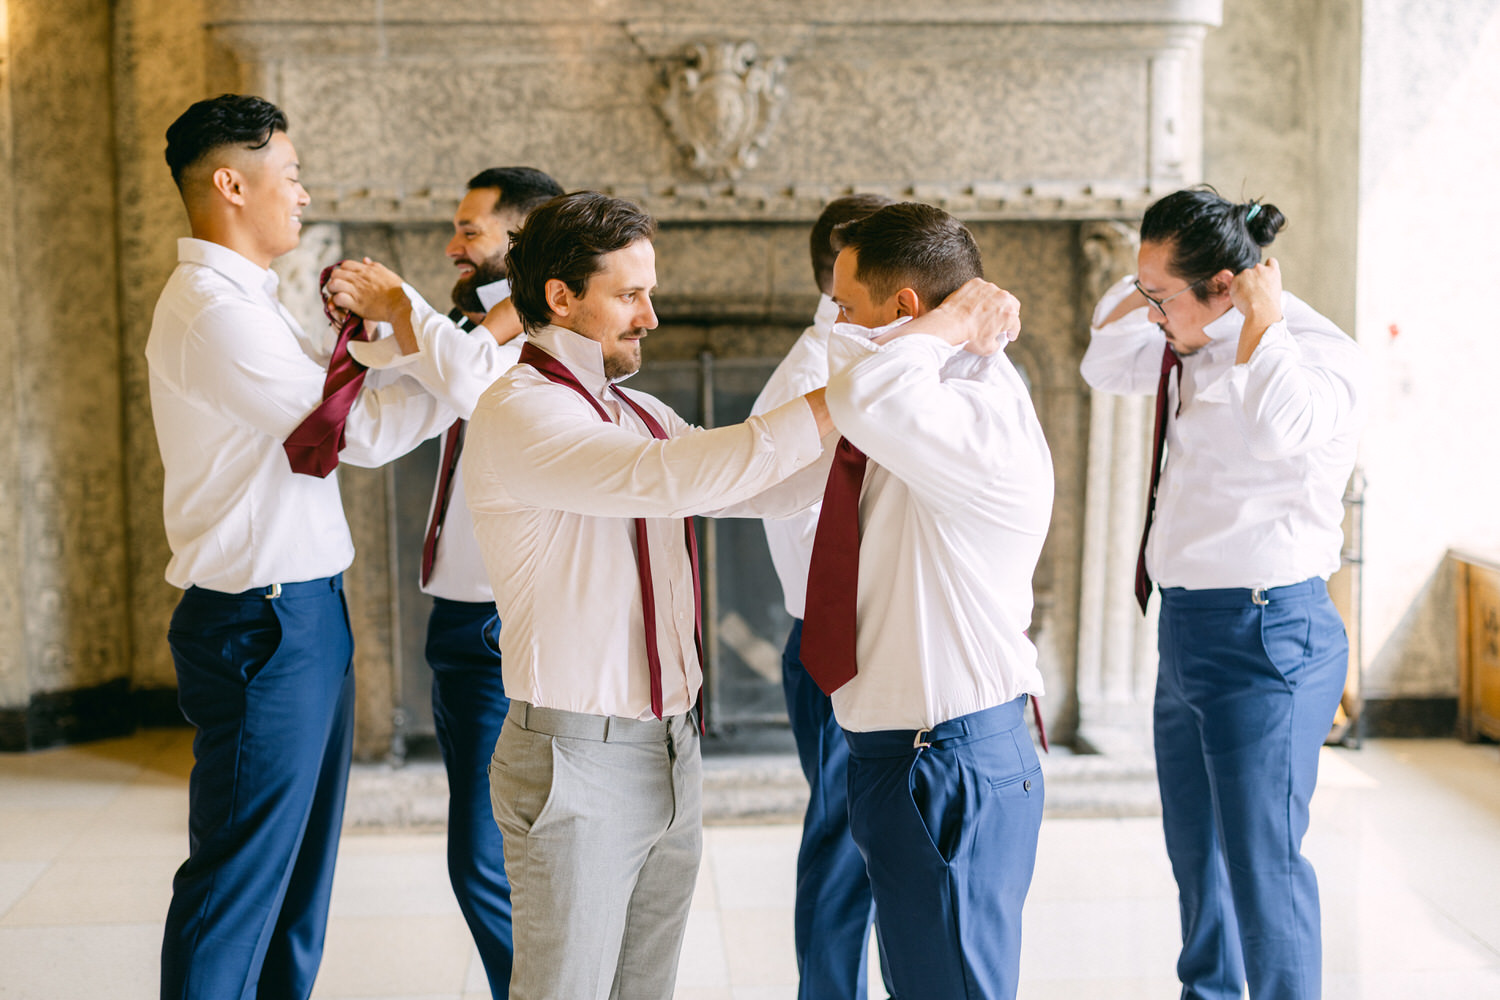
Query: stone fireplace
x,y
1047,127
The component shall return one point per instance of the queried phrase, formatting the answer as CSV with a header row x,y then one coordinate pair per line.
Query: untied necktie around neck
x,y
558,372
313,448
1170,362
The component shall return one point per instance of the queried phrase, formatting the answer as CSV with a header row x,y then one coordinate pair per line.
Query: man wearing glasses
x,y
1260,401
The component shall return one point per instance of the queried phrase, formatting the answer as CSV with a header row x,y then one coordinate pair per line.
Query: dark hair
x,y
911,245
521,188
226,120
1208,233
565,239
836,213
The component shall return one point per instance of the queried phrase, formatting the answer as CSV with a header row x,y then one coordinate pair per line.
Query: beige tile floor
x,y
1406,837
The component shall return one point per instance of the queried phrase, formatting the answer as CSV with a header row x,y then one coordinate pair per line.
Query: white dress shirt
x,y
232,375
457,365
804,369
1258,454
955,506
553,490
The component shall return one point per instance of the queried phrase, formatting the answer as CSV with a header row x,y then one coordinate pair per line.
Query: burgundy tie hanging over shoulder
x,y
1169,362
313,448
828,624
558,372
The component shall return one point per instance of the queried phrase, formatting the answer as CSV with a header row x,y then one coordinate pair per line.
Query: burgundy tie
x,y
1169,362
453,446
558,372
828,623
313,448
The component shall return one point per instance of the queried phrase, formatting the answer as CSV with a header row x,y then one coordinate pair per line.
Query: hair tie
x,y
1254,211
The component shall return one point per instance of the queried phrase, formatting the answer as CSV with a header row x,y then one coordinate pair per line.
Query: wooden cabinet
x,y
1478,646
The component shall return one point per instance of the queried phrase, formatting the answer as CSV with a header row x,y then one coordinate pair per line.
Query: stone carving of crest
x,y
722,104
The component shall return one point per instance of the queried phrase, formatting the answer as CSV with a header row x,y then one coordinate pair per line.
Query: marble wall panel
x,y
158,71
1427,319
65,375
15,688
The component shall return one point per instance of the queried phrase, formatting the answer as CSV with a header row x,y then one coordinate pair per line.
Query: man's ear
x,y
908,303
229,184
1219,283
558,296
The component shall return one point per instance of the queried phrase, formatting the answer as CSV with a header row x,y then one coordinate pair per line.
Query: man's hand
x,y
372,290
503,322
368,288
983,317
1256,293
978,315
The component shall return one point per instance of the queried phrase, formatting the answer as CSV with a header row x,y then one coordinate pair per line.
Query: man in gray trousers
x,y
582,496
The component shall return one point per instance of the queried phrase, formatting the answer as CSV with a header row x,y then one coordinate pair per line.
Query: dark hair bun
x,y
1263,225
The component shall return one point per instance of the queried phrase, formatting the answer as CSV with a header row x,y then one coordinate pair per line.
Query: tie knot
x,y
847,452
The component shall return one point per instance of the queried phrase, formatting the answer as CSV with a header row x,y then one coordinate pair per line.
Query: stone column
x,y
1116,646
65,631
158,70
14,690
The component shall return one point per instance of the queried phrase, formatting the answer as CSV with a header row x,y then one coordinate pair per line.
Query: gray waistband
x,y
577,725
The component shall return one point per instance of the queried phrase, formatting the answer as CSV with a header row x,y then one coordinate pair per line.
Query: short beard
x,y
466,289
617,368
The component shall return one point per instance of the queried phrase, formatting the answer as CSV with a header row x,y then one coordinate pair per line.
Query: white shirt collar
x,y
230,263
1227,325
583,356
827,314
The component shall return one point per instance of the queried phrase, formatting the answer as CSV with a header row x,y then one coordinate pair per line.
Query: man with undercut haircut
x,y
919,596
261,638
471,347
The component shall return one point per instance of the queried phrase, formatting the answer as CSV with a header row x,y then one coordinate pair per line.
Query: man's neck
x,y
216,230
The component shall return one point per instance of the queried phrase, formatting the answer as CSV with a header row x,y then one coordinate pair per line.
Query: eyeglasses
x,y
1161,304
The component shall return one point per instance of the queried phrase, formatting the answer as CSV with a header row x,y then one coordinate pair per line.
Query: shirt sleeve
x,y
1123,357
802,370
549,449
241,361
951,441
1297,391
455,365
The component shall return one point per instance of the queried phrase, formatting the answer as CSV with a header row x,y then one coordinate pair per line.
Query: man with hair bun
x,y
919,596
260,638
1260,401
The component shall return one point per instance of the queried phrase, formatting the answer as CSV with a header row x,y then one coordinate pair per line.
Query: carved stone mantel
x,y
1073,115
1068,109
